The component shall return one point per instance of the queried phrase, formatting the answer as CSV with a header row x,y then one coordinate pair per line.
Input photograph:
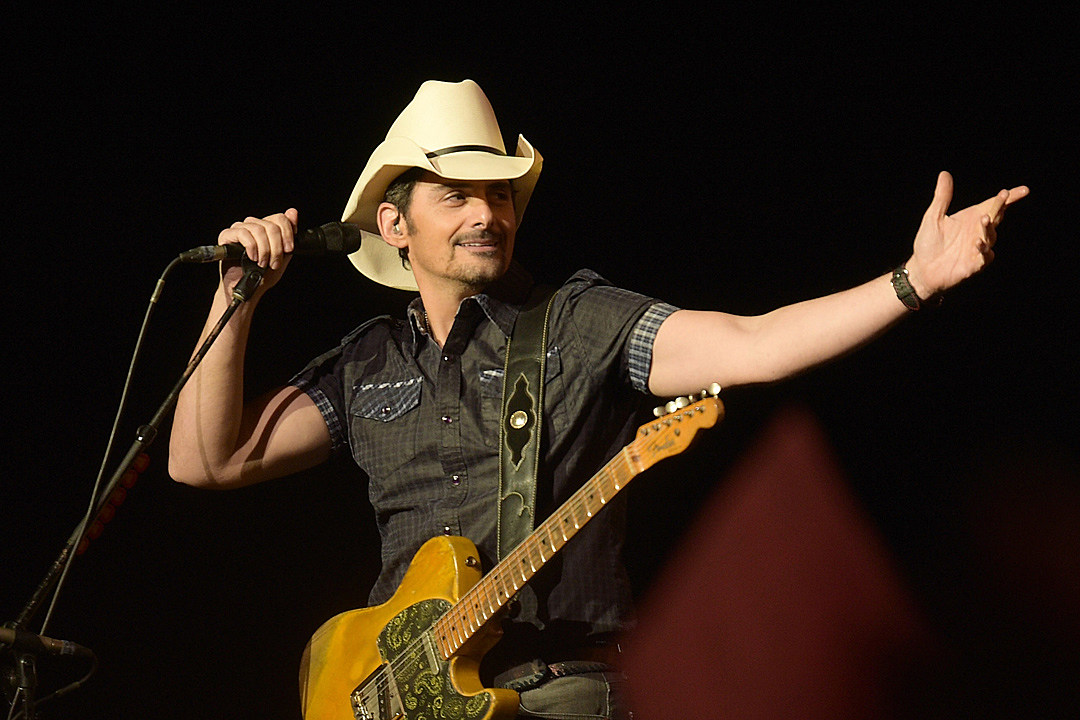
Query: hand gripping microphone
x,y
336,238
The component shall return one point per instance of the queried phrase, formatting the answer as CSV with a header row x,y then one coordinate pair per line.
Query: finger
x,y
261,242
995,207
943,193
1017,193
239,233
986,239
271,234
286,226
287,223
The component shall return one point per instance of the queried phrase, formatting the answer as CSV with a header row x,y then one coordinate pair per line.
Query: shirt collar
x,y
501,302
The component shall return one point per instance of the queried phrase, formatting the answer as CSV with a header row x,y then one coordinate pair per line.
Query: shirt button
x,y
447,358
446,530
447,419
455,480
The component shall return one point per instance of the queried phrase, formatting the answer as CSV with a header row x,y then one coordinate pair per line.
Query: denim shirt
x,y
423,423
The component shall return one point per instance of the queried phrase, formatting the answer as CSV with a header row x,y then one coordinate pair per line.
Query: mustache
x,y
478,236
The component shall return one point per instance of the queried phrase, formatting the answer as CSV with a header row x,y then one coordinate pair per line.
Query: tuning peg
x,y
659,411
711,391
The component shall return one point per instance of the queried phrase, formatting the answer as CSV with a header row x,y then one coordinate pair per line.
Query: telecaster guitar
x,y
416,656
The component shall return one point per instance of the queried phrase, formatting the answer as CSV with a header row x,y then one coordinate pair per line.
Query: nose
x,y
482,213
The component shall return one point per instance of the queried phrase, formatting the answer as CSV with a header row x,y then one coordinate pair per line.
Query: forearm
x,y
209,411
795,338
695,348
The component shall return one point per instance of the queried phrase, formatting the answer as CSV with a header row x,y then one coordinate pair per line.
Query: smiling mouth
x,y
484,240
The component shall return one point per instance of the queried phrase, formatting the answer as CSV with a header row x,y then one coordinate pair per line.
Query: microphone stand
x,y
25,674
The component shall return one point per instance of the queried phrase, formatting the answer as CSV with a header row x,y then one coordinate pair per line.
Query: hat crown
x,y
444,115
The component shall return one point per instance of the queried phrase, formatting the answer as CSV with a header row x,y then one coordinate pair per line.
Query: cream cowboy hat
x,y
449,129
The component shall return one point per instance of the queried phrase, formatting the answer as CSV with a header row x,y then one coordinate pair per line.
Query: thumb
x,y
293,216
943,193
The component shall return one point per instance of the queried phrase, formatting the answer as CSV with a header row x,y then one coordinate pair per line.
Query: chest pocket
x,y
491,389
383,421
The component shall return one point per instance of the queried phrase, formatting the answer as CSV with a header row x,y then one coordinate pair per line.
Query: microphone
x,y
37,644
336,238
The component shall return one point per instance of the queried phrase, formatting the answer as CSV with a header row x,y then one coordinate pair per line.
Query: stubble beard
x,y
480,271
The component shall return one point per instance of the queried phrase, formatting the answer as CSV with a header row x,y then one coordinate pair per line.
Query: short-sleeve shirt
x,y
423,423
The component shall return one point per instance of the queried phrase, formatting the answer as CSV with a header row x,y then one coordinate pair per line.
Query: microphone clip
x,y
247,284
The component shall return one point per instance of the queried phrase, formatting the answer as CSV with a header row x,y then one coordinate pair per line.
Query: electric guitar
x,y
416,656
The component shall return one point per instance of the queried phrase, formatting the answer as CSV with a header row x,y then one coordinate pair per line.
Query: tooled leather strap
x,y
522,419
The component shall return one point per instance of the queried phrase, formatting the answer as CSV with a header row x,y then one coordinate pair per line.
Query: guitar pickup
x,y
376,698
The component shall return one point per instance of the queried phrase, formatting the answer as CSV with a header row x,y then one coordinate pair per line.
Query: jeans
x,y
587,696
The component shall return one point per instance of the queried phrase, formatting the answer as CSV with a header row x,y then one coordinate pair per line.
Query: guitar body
x,y
417,656
379,663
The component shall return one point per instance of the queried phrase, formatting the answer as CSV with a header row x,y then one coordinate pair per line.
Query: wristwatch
x,y
904,290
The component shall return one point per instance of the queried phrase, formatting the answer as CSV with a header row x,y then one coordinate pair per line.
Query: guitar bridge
x,y
377,697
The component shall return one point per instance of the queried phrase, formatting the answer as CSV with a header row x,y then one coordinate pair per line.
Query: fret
x,y
493,592
478,606
549,542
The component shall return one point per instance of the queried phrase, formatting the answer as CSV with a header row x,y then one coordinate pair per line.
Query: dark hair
x,y
399,194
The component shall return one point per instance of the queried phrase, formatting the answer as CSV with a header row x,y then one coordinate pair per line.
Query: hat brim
x,y
379,260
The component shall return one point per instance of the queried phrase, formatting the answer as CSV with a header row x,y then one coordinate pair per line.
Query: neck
x,y
440,309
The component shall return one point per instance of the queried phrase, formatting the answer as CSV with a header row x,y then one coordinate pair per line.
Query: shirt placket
x,y
449,395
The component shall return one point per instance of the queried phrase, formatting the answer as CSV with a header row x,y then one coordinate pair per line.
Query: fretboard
x,y
667,436
500,585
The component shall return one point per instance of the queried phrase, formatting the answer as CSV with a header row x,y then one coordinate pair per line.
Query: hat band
x,y
465,148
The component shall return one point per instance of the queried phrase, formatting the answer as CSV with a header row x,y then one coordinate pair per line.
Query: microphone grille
x,y
341,237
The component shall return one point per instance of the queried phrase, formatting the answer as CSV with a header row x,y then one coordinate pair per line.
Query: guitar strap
x,y
522,419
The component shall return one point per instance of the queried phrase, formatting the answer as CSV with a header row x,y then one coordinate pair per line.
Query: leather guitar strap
x,y
522,419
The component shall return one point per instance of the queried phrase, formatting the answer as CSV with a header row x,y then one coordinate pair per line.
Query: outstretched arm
x,y
694,348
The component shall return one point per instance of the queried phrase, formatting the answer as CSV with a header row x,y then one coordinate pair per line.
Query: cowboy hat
x,y
451,130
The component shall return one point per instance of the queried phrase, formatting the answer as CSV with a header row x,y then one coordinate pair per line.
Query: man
x,y
417,402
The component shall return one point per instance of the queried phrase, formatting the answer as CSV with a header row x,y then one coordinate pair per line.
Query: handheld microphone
x,y
336,238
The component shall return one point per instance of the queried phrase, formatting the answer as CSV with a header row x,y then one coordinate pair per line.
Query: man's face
x,y
460,232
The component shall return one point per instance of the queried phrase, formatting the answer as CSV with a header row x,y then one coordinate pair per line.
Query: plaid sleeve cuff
x,y
338,439
641,341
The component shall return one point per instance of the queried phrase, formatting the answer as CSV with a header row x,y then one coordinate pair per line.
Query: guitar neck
x,y
499,586
667,436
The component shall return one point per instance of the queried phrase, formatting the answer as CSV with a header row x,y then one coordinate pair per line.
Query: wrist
x,y
908,291
917,278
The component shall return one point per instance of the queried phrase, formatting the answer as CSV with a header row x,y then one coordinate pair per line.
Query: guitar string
x,y
410,652
580,501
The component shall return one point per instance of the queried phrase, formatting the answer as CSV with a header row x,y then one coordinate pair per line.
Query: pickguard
x,y
415,680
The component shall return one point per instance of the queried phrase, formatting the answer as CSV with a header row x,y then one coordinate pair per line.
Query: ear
x,y
391,225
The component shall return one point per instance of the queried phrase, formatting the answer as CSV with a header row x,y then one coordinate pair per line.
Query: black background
x,y
715,159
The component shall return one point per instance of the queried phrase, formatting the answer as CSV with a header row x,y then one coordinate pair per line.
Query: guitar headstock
x,y
677,423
